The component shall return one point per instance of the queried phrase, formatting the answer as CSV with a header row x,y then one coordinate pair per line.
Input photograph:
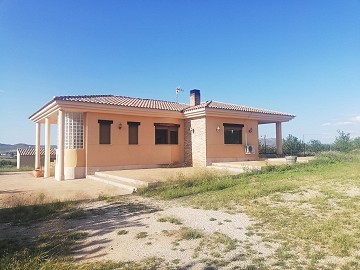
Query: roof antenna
x,y
178,89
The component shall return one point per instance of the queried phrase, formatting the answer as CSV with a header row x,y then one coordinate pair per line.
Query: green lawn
x,y
310,211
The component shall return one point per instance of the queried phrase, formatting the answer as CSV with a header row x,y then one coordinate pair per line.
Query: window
x,y
104,131
133,132
233,133
166,133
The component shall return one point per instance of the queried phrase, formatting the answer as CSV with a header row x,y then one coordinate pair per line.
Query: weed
x,y
77,214
189,233
122,232
171,219
141,235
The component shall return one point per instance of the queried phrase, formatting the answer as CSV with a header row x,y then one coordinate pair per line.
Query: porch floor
x,y
266,162
167,174
157,174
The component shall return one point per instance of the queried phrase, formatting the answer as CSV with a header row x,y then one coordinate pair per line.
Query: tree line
x,y
295,146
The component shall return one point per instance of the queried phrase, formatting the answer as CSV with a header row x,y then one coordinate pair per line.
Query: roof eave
x,y
261,117
45,111
78,106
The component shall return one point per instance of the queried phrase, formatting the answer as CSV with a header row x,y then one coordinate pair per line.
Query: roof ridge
x,y
119,96
162,100
80,96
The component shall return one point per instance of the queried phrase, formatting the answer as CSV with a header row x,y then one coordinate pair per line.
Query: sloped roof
x,y
127,101
31,151
233,107
159,104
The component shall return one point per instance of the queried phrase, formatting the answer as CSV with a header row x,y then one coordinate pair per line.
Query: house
x,y
26,156
108,132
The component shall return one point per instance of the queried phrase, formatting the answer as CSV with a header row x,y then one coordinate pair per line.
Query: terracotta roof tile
x,y
160,104
127,102
233,107
31,151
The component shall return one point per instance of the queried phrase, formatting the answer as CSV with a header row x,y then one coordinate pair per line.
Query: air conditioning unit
x,y
249,149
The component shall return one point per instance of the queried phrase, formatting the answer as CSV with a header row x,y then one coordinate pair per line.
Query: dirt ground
x,y
136,229
24,183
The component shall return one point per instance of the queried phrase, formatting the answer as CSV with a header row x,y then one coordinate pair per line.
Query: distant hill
x,y
12,147
269,141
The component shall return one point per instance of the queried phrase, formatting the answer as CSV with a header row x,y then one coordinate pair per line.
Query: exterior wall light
x,y
191,129
218,128
250,130
120,125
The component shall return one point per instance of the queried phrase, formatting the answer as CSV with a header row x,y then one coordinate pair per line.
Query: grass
x,y
304,208
190,233
141,235
170,219
15,169
123,232
25,210
184,185
48,250
310,213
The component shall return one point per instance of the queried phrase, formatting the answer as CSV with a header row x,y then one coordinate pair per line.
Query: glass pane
x,y
161,136
232,135
133,134
104,133
173,137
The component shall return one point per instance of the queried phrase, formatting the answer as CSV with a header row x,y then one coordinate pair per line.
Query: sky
x,y
300,57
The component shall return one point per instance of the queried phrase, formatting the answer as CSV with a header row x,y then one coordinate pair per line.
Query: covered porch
x,y
46,121
278,136
70,142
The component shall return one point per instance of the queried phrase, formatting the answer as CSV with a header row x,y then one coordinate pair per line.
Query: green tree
x,y
343,142
356,143
315,146
292,145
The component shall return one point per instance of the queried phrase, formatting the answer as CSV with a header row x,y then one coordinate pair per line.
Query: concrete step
x,y
236,167
232,169
113,182
131,182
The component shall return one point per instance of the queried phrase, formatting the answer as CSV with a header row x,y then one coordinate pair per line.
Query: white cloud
x,y
356,118
343,123
348,121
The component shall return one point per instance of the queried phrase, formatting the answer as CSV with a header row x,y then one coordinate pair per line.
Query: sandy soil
x,y
135,215
24,184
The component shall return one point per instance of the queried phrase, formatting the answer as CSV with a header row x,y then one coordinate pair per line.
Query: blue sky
x,y
301,57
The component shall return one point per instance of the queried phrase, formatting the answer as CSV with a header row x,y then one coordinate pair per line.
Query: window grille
x,y
74,130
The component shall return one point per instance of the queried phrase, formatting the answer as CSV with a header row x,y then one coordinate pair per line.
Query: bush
x,y
7,163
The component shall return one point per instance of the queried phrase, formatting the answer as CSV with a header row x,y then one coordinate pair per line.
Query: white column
x,y
47,148
279,145
60,151
37,146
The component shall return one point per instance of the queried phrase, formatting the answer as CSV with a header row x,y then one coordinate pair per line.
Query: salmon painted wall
x,y
120,153
217,150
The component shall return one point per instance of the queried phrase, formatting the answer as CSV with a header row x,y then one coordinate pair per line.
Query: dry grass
x,y
316,226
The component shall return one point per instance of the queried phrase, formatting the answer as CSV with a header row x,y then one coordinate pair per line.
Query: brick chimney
x,y
194,97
